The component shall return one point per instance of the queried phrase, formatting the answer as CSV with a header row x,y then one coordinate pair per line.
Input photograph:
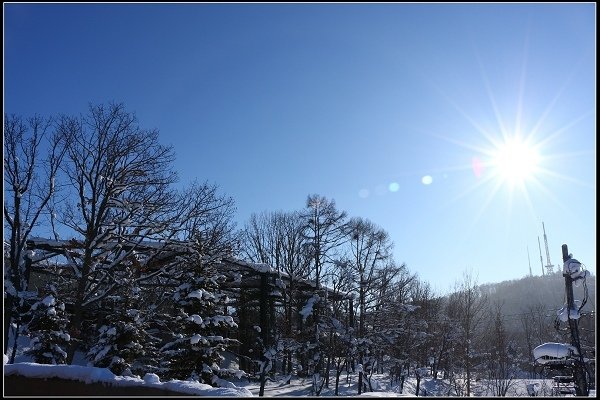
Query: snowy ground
x,y
298,387
434,387
302,387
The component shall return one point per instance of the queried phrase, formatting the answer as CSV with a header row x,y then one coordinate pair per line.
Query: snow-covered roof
x,y
258,267
264,268
549,352
168,251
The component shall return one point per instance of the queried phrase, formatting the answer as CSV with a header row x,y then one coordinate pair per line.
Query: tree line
x,y
108,186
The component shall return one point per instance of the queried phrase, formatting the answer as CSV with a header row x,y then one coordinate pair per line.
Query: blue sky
x,y
357,102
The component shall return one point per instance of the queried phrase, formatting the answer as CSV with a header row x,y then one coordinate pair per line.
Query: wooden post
x,y
264,310
242,329
271,331
265,327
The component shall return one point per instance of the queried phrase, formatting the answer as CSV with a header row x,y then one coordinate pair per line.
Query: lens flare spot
x,y
427,180
363,193
477,166
394,187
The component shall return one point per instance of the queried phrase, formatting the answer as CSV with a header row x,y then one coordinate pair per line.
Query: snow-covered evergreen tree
x,y
200,329
122,340
47,329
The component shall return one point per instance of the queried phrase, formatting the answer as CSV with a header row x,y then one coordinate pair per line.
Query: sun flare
x,y
515,160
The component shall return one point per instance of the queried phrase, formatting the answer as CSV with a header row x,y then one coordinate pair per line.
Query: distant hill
x,y
517,295
534,301
549,289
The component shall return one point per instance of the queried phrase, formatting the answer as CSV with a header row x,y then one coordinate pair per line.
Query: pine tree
x,y
200,329
122,340
47,329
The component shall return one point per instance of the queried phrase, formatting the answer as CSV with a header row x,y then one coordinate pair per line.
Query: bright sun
x,y
515,161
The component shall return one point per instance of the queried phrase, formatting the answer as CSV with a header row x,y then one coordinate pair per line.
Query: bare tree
x,y
323,231
470,314
445,337
340,347
206,217
501,354
260,239
528,331
120,177
30,170
371,248
277,239
427,311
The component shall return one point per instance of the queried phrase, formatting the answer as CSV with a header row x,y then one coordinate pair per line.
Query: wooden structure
x,y
260,295
563,385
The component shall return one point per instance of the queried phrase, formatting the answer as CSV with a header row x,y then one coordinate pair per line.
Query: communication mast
x,y
541,259
529,260
549,266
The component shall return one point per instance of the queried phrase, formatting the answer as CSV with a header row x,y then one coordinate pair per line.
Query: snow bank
x,y
151,378
104,375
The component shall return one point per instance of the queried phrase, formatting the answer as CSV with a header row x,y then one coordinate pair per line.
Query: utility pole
x,y
579,374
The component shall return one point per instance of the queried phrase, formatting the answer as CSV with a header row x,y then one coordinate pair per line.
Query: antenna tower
x,y
529,260
541,259
549,266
